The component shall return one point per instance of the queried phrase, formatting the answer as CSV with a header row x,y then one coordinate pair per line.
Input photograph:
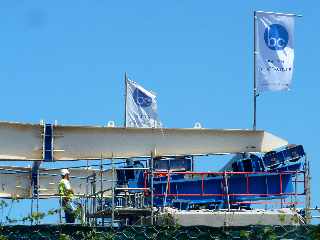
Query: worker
x,y
66,193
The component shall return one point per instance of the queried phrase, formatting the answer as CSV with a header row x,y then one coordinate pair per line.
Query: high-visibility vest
x,y
65,190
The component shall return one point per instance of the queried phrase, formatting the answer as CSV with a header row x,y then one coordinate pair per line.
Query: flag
x,y
141,107
274,51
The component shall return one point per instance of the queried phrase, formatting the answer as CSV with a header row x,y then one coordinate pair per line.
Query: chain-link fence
x,y
76,232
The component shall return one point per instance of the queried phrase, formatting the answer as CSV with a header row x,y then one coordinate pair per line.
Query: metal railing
x,y
227,194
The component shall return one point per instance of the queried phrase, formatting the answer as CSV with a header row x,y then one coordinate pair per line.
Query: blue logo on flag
x,y
276,37
141,99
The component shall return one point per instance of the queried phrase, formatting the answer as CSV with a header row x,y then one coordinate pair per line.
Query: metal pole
x,y
113,192
31,209
125,98
38,187
151,186
281,202
192,163
227,190
86,206
254,74
307,191
101,188
94,187
296,190
255,93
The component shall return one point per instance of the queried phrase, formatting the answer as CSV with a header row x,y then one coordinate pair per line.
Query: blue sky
x,y
65,61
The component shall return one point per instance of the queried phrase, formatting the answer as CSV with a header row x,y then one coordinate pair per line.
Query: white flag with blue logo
x,y
274,51
141,107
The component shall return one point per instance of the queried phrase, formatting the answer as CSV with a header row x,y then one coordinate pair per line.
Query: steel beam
x,y
24,142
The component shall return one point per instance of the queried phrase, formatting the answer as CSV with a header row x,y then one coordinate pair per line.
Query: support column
x,y
227,190
101,187
151,186
308,216
113,192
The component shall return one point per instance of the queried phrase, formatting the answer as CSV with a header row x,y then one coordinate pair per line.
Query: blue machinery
x,y
250,179
272,178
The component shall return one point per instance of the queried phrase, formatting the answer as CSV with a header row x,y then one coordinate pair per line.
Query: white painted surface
x,y
24,142
20,141
92,142
234,218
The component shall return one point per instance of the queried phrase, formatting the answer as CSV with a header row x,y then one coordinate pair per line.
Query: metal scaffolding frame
x,y
95,200
132,199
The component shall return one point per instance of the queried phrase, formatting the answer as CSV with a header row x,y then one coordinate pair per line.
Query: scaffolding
x,y
119,204
135,205
108,203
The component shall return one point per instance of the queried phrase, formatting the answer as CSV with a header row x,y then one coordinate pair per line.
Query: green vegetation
x,y
168,229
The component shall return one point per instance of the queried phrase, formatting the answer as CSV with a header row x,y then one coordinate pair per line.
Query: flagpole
x,y
125,98
254,74
255,92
